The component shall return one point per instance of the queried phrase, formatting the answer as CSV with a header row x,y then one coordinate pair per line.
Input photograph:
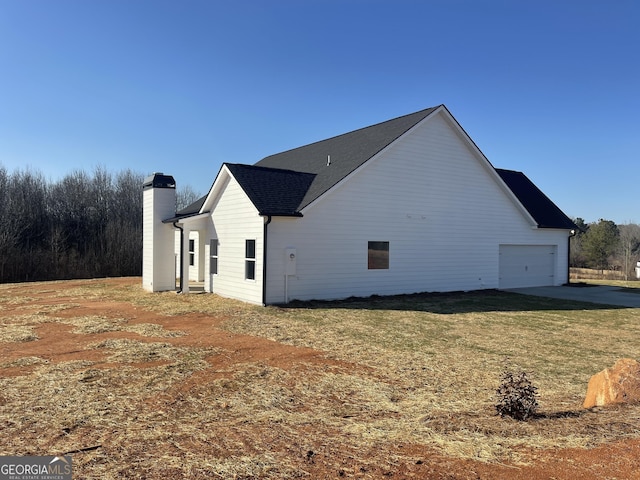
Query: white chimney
x,y
158,238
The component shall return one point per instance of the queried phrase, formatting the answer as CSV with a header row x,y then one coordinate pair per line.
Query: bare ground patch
x,y
139,385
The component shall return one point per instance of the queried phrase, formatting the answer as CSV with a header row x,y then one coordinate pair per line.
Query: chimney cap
x,y
159,180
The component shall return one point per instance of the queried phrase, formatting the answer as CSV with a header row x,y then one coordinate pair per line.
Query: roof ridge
x,y
333,159
355,130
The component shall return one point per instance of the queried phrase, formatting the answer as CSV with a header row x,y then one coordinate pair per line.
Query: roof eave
x,y
280,214
558,227
191,216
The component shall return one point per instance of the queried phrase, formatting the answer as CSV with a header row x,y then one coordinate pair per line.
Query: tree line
x,y
86,225
89,225
603,245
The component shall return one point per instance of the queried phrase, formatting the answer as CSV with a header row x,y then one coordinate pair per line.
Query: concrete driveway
x,y
602,294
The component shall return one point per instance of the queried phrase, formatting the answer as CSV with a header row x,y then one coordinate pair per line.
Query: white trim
x,y
218,187
442,109
191,219
370,160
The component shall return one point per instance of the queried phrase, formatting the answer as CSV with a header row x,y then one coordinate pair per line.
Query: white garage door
x,y
527,265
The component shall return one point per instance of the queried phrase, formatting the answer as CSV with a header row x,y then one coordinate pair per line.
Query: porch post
x,y
184,256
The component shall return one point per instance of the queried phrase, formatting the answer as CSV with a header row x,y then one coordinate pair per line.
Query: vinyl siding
x,y
235,220
158,265
436,202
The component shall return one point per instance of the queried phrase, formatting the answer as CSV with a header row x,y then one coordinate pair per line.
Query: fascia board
x,y
219,184
488,166
462,134
193,218
187,218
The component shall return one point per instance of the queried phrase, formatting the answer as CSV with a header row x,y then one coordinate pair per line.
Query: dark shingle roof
x,y
347,152
541,208
189,211
284,183
272,191
192,209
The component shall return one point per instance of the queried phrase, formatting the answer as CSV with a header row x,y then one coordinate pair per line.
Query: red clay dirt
x,y
56,343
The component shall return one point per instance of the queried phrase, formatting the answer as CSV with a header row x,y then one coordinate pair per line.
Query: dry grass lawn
x,y
140,385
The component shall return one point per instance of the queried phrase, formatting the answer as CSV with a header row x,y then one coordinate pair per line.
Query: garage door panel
x,y
527,265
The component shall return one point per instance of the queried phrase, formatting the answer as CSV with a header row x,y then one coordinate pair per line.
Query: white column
x,y
185,259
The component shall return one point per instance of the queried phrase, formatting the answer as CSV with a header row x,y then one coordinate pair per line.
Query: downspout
x,y
573,233
264,261
175,225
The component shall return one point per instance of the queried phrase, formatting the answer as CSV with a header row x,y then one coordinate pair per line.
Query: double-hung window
x,y
192,252
250,259
213,256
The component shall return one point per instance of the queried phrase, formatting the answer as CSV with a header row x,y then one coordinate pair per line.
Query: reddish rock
x,y
618,384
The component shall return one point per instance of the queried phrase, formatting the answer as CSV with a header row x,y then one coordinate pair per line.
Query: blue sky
x,y
550,88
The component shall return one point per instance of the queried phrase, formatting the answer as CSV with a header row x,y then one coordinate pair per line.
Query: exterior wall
x,y
158,271
196,271
176,252
193,228
437,204
234,220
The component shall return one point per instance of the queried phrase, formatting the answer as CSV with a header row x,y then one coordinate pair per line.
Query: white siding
x,y
432,198
158,267
235,220
196,271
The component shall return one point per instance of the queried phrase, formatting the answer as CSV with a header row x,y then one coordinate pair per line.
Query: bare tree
x,y
186,195
629,247
81,226
10,226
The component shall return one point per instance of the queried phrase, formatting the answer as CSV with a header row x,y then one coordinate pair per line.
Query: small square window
x,y
378,256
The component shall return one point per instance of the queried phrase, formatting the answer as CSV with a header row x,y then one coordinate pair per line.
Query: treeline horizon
x,y
604,245
85,225
89,225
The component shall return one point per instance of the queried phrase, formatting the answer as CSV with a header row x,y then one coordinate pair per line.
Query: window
x,y
213,256
250,259
192,252
378,255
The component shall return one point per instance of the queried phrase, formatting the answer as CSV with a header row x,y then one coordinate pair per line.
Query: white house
x,y
407,205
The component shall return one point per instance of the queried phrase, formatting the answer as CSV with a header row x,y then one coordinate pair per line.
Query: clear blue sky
x,y
550,88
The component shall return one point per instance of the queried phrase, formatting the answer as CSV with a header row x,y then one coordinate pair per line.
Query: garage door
x,y
527,265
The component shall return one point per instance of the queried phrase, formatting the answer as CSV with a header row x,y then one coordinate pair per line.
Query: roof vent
x,y
328,160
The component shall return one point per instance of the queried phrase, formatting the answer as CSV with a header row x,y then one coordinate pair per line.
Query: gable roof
x,y
540,207
272,191
347,152
284,183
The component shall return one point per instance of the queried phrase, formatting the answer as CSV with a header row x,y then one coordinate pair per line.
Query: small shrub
x,y
516,395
